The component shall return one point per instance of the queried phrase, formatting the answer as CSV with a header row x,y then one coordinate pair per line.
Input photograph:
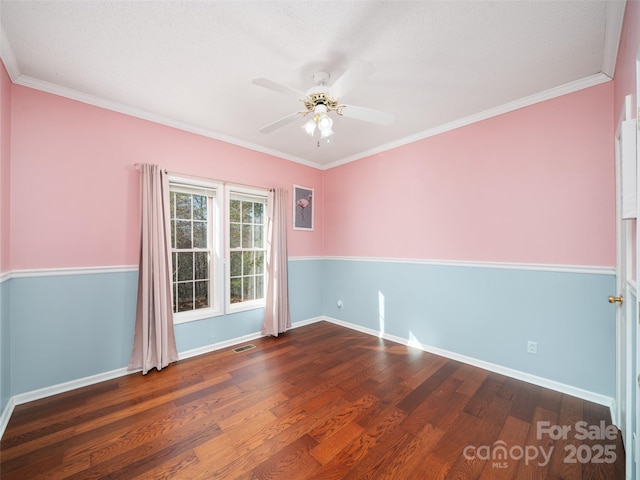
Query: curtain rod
x,y
224,182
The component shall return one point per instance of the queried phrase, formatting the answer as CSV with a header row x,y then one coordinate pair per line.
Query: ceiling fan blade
x,y
280,123
278,87
367,114
354,76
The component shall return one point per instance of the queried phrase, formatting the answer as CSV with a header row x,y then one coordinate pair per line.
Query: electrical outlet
x,y
532,348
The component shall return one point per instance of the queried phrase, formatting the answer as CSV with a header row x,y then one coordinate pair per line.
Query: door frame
x,y
633,450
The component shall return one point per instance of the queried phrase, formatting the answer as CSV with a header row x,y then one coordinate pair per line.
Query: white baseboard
x,y
218,346
235,341
54,390
308,321
5,415
70,385
492,367
120,372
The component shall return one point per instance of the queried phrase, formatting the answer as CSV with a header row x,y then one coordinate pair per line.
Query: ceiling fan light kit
x,y
321,99
321,120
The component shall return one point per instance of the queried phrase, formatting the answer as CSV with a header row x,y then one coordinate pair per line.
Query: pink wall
x,y
75,193
5,159
531,186
536,185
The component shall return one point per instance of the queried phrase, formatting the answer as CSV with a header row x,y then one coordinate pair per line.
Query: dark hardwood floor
x,y
320,402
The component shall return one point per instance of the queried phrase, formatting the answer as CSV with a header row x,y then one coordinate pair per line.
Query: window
x,y
247,249
198,225
195,252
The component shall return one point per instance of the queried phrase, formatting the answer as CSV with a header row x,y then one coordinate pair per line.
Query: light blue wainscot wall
x,y
64,328
305,301
68,327
487,314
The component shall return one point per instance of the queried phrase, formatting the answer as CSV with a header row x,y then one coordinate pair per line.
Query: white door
x,y
626,273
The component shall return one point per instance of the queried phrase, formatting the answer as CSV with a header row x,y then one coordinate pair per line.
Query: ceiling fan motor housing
x,y
319,95
320,98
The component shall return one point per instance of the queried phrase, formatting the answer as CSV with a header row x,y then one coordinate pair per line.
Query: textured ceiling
x,y
191,64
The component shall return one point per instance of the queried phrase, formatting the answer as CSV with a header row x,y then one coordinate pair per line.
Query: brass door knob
x,y
613,299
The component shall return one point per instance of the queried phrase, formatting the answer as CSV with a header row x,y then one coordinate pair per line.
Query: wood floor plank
x,y
538,468
525,402
176,467
436,407
381,456
484,395
411,462
429,364
416,396
320,402
132,434
350,456
571,412
293,461
325,451
514,433
472,377
331,425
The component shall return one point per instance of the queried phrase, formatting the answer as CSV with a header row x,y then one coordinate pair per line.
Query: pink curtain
x,y
276,316
154,343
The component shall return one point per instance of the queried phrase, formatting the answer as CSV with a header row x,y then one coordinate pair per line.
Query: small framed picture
x,y
303,201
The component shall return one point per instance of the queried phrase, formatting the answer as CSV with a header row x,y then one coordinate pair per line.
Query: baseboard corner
x,y
6,415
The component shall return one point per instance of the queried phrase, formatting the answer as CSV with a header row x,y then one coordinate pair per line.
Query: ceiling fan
x,y
323,99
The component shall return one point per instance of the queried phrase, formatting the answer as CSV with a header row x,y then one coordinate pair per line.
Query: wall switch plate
x,y
532,348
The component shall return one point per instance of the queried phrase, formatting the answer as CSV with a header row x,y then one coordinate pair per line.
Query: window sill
x,y
244,306
187,317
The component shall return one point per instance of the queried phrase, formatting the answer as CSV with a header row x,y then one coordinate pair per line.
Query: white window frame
x,y
261,194
216,216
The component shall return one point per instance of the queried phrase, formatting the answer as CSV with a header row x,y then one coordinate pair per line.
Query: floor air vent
x,y
243,348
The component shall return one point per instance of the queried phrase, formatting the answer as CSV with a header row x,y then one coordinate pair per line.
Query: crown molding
x,y
614,18
54,89
613,27
549,94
